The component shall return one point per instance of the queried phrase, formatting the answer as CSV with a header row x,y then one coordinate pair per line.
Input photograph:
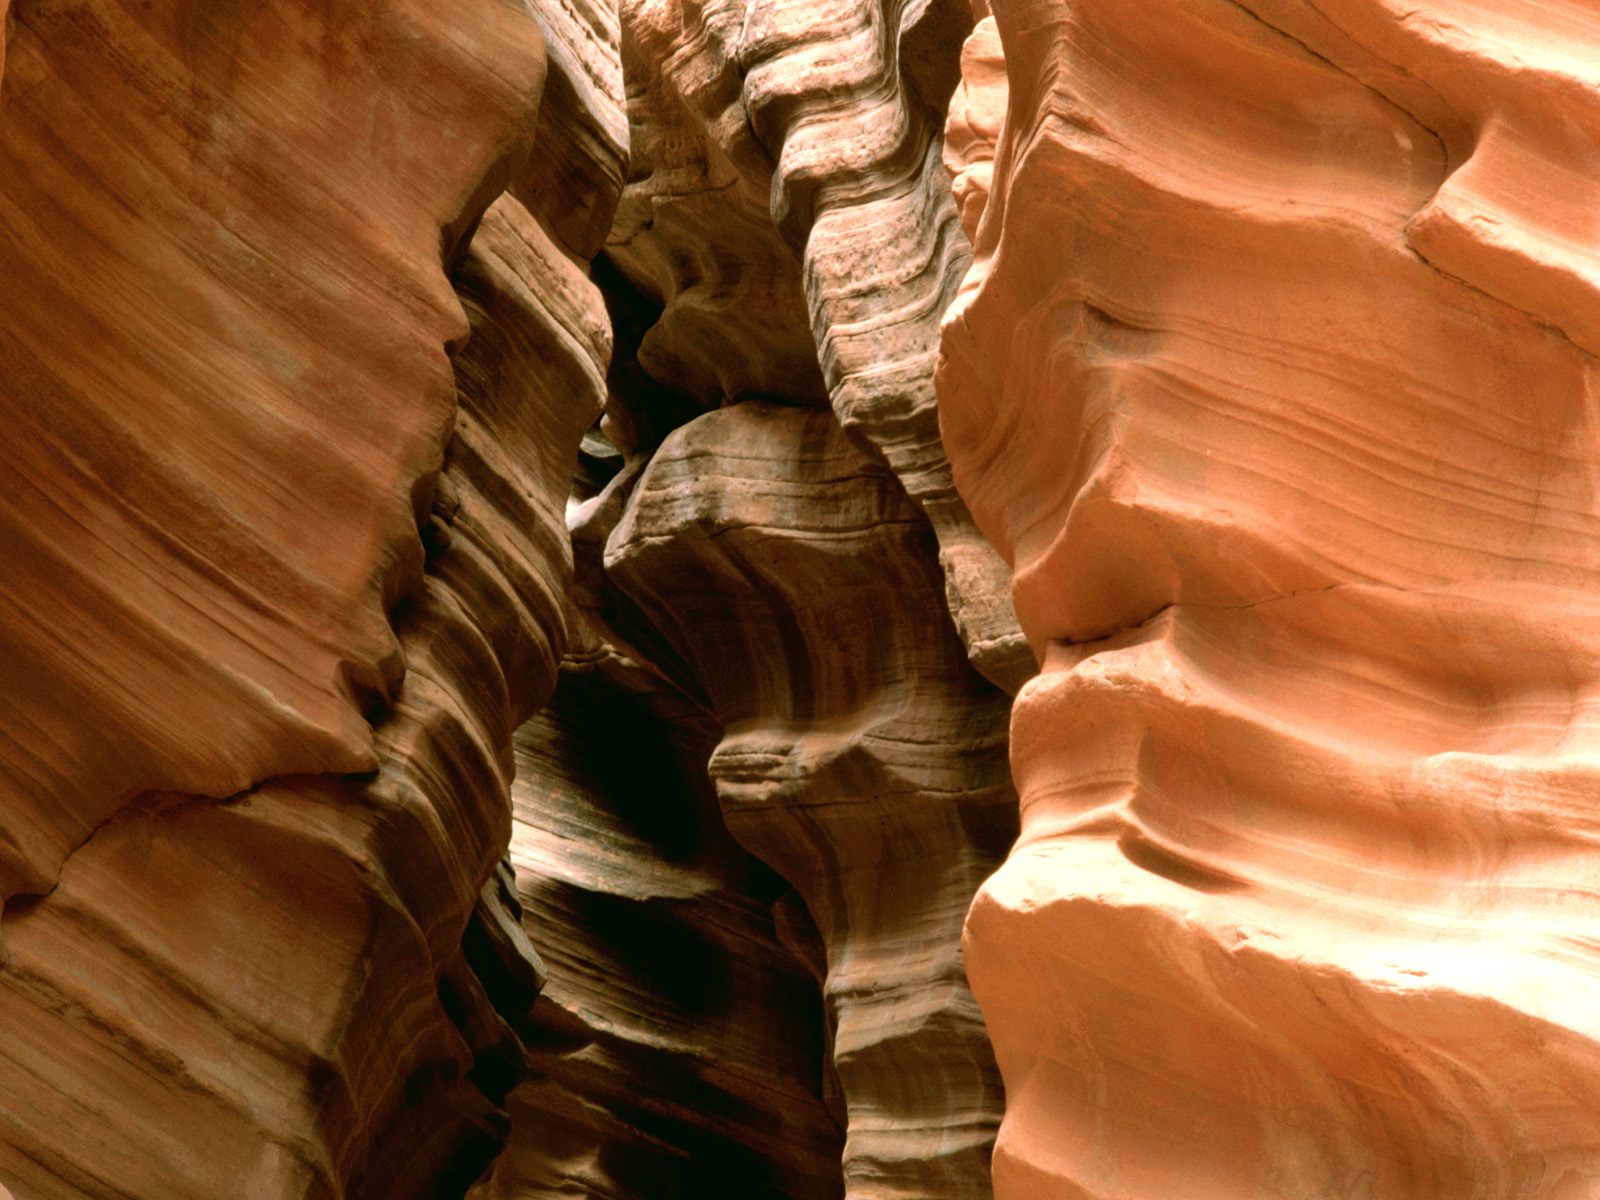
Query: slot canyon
x,y
800,600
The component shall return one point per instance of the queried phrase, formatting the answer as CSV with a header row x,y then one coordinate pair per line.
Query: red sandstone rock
x,y
792,214
1272,380
861,757
679,1048
258,746
225,360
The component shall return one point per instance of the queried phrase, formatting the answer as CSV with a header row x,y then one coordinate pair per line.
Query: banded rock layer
x,y
281,580
790,213
861,756
856,753
1273,380
295,406
678,1049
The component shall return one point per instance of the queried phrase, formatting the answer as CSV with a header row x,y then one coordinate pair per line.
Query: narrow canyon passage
x,y
799,600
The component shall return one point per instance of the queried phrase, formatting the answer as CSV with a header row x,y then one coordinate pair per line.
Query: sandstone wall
x,y
295,405
1273,379
757,560
284,568
773,386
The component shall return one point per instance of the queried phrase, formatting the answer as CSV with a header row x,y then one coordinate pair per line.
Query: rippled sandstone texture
x,y
284,562
861,756
791,214
678,1049
1274,379
293,402
757,571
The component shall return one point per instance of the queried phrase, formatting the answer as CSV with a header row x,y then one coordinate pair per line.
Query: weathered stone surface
x,y
575,177
189,284
1270,386
693,231
1273,379
258,748
293,409
706,291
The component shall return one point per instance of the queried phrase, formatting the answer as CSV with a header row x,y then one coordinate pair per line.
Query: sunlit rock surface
x,y
375,373
1274,379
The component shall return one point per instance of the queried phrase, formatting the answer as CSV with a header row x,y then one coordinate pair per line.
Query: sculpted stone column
x,y
861,755
1275,380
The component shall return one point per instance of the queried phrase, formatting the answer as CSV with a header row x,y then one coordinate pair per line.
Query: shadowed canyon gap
x,y
552,546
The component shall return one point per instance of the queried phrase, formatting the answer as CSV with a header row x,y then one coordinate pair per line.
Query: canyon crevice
x,y
798,600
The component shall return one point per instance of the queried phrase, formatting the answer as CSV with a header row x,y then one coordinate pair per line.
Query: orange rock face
x,y
759,383
298,348
223,241
1274,380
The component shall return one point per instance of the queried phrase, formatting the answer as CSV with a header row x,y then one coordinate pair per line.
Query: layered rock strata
x,y
306,496
1274,380
786,161
679,1048
255,777
860,756
187,286
708,295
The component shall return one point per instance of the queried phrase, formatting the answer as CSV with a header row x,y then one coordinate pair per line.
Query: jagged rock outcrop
x,y
253,786
1274,380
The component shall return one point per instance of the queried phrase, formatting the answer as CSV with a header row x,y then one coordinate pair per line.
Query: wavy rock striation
x,y
861,757
786,161
714,304
1273,379
693,232
151,212
256,944
678,1048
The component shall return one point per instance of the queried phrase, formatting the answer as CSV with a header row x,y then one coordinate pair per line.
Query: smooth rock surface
x,y
1274,380
212,224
